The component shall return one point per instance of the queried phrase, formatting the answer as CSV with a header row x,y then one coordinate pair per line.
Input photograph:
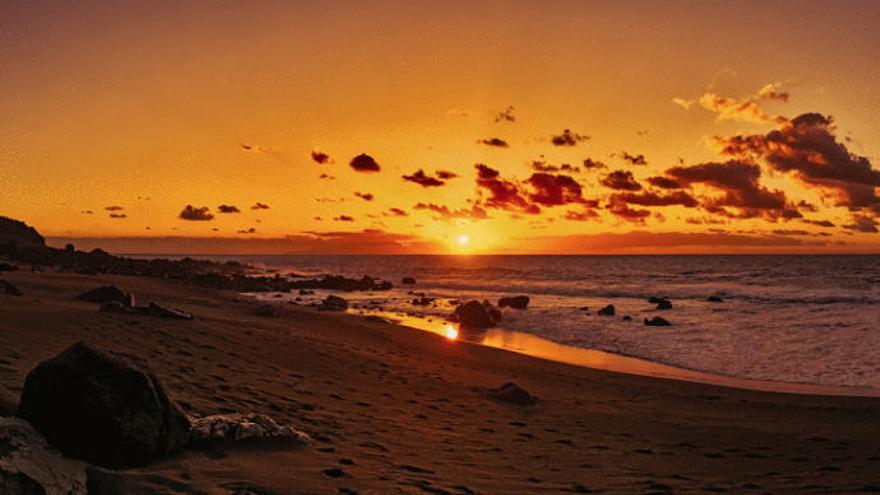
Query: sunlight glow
x,y
451,332
463,240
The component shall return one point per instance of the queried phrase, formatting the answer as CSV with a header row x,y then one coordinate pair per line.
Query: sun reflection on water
x,y
451,332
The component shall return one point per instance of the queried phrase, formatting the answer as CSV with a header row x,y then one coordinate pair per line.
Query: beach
x,y
396,410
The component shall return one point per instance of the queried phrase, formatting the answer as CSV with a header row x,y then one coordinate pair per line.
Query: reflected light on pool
x,y
451,332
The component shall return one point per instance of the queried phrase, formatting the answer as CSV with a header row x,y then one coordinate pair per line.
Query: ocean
x,y
793,318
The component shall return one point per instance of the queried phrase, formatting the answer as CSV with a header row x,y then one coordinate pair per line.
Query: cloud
x,y
568,138
581,216
364,163
505,115
686,104
446,174
790,232
496,142
326,176
118,215
503,194
864,224
365,196
818,223
259,206
541,166
114,208
87,212
554,190
621,180
320,157
228,209
773,91
397,212
664,182
633,159
737,110
421,178
807,148
248,231
446,214
344,218
589,164
252,148
196,214
650,198
619,208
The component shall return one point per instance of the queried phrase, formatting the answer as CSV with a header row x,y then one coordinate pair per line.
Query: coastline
x,y
370,393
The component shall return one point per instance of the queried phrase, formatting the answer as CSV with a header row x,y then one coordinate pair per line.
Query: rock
x,y
266,310
516,302
476,315
114,307
224,428
19,233
376,319
103,407
657,321
408,281
9,289
107,294
422,301
657,300
627,318
6,267
336,282
333,303
714,299
606,311
512,393
306,292
30,466
664,304
584,308
165,312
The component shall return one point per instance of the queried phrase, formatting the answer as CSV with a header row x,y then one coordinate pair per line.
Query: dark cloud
x,y
326,176
633,159
589,164
344,218
497,142
818,223
87,212
864,224
621,180
320,157
807,148
364,163
259,206
581,216
228,209
503,194
554,190
619,208
445,213
651,198
248,231
505,115
365,196
568,138
423,179
446,174
664,182
196,214
397,212
114,208
118,215
805,206
540,166
790,232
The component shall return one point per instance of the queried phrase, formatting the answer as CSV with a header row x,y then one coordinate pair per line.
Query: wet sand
x,y
392,410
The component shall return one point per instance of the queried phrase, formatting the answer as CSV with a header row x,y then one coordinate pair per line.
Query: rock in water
x,y
107,294
657,321
516,302
29,466
8,288
242,427
714,299
474,315
512,393
664,304
606,311
408,281
333,303
106,408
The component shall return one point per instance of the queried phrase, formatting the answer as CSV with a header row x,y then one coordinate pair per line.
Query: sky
x,y
443,127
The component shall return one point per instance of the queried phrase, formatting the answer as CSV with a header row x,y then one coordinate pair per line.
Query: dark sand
x,y
394,410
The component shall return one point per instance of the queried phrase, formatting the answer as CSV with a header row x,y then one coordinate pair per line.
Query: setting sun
x,y
463,240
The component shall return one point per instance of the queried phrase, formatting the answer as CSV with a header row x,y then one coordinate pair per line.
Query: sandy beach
x,y
397,410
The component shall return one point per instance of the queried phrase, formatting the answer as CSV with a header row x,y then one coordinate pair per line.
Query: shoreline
x,y
393,410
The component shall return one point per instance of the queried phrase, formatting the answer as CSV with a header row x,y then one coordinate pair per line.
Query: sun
x,y
463,240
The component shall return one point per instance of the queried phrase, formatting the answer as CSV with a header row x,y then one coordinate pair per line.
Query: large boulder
x,y
664,304
657,321
107,294
607,311
103,407
19,233
516,302
474,315
30,466
333,303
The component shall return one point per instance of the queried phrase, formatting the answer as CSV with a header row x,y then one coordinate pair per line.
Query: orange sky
x,y
115,118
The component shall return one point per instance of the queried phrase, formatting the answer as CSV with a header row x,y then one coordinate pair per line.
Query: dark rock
x,y
107,294
584,308
714,299
657,321
115,307
6,267
306,292
335,282
30,466
408,281
266,310
476,315
225,428
627,318
103,407
512,393
165,312
516,302
606,311
376,319
9,289
664,304
657,300
333,303
19,233
422,301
